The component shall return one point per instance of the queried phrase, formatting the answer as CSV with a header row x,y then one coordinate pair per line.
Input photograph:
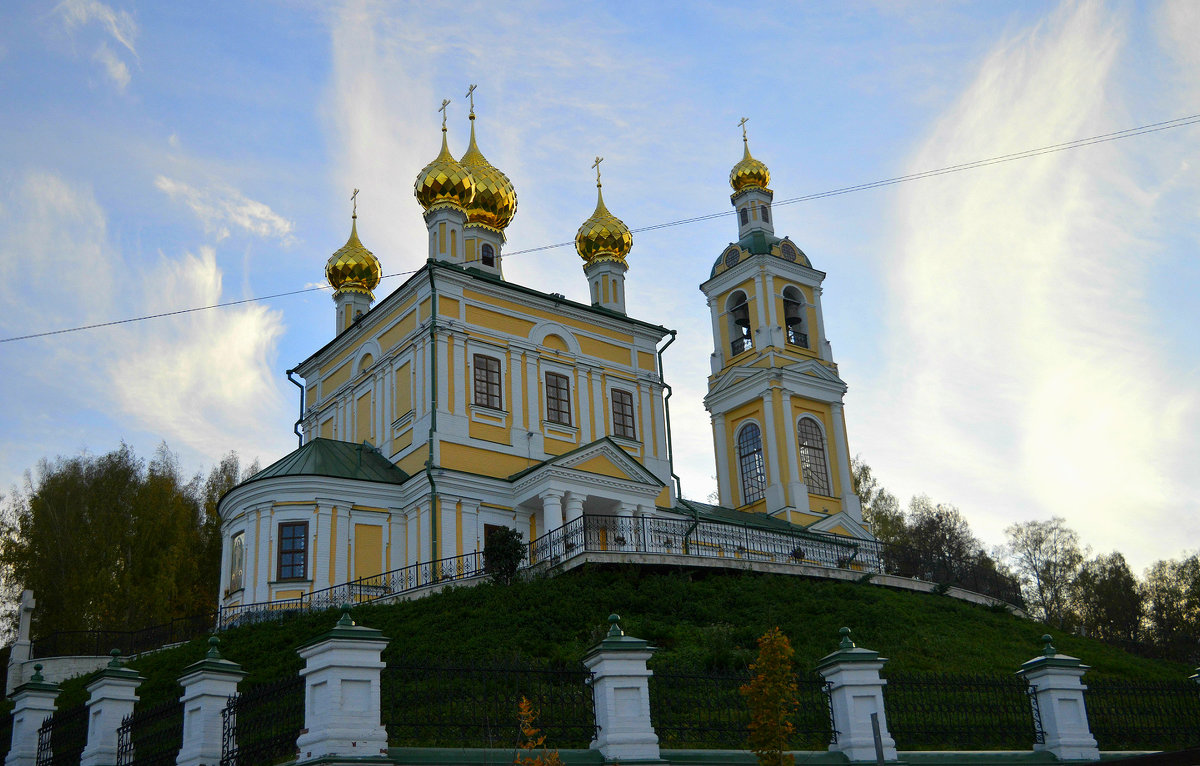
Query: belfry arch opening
x,y
737,308
793,317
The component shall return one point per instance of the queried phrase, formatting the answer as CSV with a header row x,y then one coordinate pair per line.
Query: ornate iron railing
x,y
1144,715
470,704
260,726
738,345
62,737
364,589
98,643
151,737
693,708
962,712
797,338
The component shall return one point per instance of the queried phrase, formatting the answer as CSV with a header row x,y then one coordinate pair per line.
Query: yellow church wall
x,y
363,419
464,457
554,342
402,401
398,332
368,550
494,320
403,441
335,379
448,307
647,361
603,466
423,310
414,462
326,431
555,446
602,350
510,306
489,433
282,594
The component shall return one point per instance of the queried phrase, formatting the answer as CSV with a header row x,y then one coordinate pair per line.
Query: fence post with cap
x,y
856,695
621,691
33,701
207,687
1055,679
111,698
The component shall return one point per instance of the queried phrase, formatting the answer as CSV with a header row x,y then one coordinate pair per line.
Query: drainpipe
x,y
667,411
695,523
433,396
296,427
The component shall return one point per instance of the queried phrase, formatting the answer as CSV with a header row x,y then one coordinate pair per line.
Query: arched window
x,y
751,464
793,317
487,255
744,214
766,218
812,456
738,309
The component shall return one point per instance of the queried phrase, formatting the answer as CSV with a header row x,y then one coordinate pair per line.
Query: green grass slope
x,y
701,618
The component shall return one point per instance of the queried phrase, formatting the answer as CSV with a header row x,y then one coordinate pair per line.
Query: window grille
x,y
293,550
487,382
622,411
558,398
812,457
750,460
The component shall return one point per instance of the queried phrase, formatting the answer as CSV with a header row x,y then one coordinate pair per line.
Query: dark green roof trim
x,y
477,274
722,515
335,459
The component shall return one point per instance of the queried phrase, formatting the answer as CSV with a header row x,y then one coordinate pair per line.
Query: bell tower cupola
x,y
353,272
775,396
603,241
445,189
491,210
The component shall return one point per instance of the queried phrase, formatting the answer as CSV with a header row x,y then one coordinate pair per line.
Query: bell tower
x,y
774,395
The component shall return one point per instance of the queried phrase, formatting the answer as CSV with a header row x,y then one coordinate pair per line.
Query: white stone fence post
x,y
207,687
621,691
341,695
855,694
32,702
111,698
1055,679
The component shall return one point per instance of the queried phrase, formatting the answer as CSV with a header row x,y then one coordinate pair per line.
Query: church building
x,y
461,402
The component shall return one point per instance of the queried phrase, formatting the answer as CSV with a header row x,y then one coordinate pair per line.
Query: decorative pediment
x,y
603,457
841,523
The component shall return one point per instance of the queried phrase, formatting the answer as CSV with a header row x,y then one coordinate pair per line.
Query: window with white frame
x,y
488,391
293,550
813,457
751,463
558,398
622,414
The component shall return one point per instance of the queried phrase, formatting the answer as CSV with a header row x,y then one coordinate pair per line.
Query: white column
x,y
775,336
762,333
471,528
587,393
774,494
856,692
111,698
341,694
32,702
264,564
322,546
443,375
448,531
207,687
843,461
718,355
1055,679
460,373
621,691
337,542
724,478
531,390
597,379
822,345
514,392
574,506
396,534
552,515
797,491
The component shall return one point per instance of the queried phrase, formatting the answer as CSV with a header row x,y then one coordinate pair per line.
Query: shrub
x,y
771,696
503,552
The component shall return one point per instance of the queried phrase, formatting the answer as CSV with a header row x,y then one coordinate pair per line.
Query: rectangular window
x,y
487,382
558,398
622,414
293,550
237,561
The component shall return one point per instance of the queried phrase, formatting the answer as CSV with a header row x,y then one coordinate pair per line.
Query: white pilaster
x,y
724,477
111,698
822,345
207,687
855,694
622,697
850,502
460,373
1055,679
774,491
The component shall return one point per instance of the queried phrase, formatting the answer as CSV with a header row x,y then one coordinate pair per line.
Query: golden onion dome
x,y
353,268
749,173
495,200
444,181
603,237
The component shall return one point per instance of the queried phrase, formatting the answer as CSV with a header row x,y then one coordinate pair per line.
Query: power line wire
x,y
1141,130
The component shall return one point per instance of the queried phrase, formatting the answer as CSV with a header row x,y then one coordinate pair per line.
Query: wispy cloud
x,y
219,207
1023,357
119,25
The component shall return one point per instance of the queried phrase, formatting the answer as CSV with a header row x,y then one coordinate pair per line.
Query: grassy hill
x,y
700,618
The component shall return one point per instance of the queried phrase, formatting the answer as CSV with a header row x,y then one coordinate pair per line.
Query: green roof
x,y
717,513
336,459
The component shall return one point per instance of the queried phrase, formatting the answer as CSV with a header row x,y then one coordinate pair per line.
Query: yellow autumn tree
x,y
533,742
771,695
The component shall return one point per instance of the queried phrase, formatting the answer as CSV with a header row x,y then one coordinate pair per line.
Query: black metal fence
x,y
260,726
1144,715
151,737
62,737
704,709
6,722
961,712
394,582
98,643
682,536
468,704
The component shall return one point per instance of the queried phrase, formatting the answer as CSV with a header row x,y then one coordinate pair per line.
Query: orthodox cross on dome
x,y
442,109
471,95
596,166
742,125
354,199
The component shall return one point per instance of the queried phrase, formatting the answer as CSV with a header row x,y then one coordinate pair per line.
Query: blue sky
x,y
1018,340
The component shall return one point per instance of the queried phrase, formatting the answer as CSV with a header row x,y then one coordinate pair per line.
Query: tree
x,y
881,509
771,695
1108,602
110,542
1172,591
1047,556
503,552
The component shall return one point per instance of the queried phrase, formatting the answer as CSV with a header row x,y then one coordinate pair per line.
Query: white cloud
x,y
116,69
218,207
1023,364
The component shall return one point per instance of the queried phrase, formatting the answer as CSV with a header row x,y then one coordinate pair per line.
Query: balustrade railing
x,y
962,712
469,704
98,643
260,725
1143,715
151,737
62,737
